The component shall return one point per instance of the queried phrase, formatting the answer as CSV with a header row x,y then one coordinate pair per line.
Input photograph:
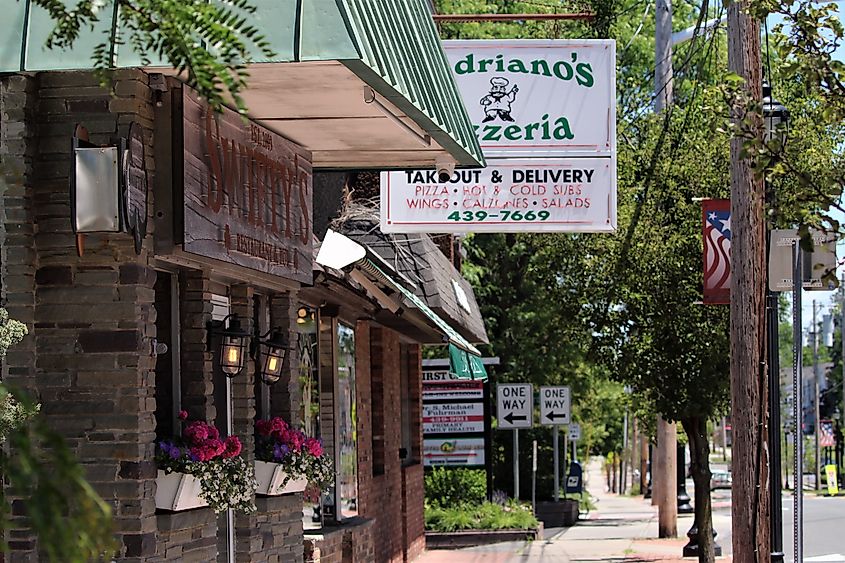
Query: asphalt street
x,y
824,526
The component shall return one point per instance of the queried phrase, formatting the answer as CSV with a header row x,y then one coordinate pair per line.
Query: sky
x,y
824,298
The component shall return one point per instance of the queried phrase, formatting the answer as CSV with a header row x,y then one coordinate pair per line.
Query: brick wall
x,y
91,317
392,496
92,321
17,240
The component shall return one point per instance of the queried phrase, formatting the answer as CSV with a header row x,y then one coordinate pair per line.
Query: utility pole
x,y
664,479
749,397
817,411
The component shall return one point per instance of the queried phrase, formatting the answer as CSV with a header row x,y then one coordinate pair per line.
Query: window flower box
x,y
273,481
178,491
201,467
286,460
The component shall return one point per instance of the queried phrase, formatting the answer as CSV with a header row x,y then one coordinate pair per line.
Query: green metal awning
x,y
464,358
312,90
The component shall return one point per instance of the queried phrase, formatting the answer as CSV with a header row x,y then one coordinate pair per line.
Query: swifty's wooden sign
x,y
247,193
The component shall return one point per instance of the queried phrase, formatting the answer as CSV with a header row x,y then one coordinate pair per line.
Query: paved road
x,y
824,527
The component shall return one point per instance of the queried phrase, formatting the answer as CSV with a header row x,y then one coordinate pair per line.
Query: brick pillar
x,y
17,256
197,360
247,540
363,391
285,395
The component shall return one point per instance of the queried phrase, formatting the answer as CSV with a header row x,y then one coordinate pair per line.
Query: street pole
x,y
622,479
750,463
775,484
516,463
817,410
842,338
797,407
556,480
534,478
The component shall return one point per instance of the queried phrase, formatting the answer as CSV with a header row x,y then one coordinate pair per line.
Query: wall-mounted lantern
x,y
233,343
108,186
271,355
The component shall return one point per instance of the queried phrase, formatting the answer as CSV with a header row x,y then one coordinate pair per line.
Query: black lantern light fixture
x,y
270,355
775,115
233,343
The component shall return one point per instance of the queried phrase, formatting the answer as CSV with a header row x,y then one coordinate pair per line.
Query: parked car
x,y
720,479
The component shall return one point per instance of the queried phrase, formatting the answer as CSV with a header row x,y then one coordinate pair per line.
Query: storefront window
x,y
347,433
309,384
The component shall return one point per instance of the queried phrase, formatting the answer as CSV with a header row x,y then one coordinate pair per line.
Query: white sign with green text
x,y
535,98
545,115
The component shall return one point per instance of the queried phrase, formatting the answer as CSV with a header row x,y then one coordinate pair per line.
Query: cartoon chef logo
x,y
498,102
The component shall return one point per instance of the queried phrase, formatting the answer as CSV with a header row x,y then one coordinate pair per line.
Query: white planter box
x,y
270,477
178,491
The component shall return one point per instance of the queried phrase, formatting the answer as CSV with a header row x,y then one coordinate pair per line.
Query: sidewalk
x,y
620,529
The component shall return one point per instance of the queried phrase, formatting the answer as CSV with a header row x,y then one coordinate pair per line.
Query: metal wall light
x,y
271,354
775,115
233,343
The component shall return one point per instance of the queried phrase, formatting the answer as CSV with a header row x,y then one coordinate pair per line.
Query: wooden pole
x,y
664,480
749,396
667,515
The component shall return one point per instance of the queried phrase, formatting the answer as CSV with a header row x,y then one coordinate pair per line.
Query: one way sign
x,y
554,405
515,405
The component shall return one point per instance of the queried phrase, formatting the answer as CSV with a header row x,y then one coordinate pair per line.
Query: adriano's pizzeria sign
x,y
545,116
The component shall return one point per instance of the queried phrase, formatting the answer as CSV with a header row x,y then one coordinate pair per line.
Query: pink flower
x,y
183,415
263,427
296,440
314,447
232,446
197,432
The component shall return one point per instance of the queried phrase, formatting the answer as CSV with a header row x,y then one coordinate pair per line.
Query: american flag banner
x,y
716,223
826,437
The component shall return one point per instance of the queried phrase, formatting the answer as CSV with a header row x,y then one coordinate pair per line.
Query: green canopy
x,y
464,358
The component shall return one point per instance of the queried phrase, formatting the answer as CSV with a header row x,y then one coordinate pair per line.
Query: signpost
x,y
574,436
515,410
554,410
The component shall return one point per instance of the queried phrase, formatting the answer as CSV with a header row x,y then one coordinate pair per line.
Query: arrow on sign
x,y
510,417
554,415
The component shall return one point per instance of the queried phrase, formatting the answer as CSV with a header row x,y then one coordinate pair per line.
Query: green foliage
x,y
72,522
11,331
13,413
485,516
448,487
209,42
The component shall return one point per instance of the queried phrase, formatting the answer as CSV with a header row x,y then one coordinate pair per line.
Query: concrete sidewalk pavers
x,y
620,529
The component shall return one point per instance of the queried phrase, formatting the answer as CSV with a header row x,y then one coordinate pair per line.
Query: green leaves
x,y
210,43
73,523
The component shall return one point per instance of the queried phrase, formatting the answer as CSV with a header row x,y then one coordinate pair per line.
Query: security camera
x,y
445,168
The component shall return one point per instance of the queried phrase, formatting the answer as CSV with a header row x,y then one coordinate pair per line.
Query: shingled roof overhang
x,y
330,56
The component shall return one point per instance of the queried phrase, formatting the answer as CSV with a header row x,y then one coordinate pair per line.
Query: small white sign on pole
x,y
574,432
554,405
515,405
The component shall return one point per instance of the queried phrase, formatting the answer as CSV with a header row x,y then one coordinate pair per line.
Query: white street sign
x,y
575,431
554,405
818,263
515,405
562,195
